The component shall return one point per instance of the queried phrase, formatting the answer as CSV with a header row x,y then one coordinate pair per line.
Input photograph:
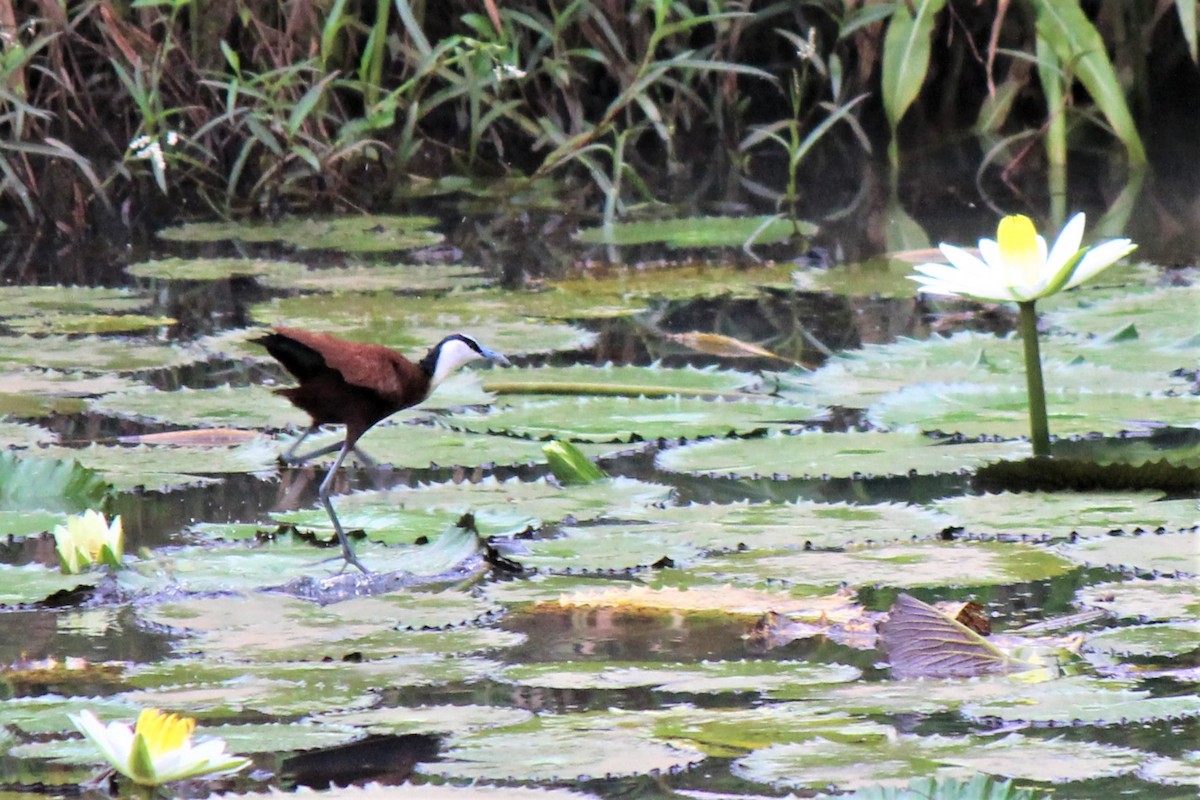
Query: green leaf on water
x,y
974,410
1081,699
87,323
49,485
19,434
835,455
412,325
881,277
1164,315
1160,553
412,278
94,354
698,232
707,677
353,234
214,269
1157,640
34,301
603,744
223,406
907,565
427,718
626,380
624,419
1144,600
1059,514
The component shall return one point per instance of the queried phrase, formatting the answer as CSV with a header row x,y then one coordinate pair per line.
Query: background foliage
x,y
237,105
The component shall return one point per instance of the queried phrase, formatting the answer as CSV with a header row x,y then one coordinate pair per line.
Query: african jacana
x,y
357,385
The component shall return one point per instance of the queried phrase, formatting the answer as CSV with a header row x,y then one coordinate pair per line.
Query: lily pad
x,y
263,628
94,354
874,278
428,719
19,434
1158,640
165,467
415,278
698,231
214,269
974,410
617,290
354,234
213,690
822,763
33,583
836,455
603,744
1161,553
1144,600
33,301
410,324
61,384
87,323
1081,699
1058,514
221,407
707,677
278,738
623,419
917,564
626,380
1165,314
501,508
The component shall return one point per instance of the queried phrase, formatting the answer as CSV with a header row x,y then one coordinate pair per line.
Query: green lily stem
x,y
1039,428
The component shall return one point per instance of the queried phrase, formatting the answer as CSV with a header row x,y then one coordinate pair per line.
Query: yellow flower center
x,y
1017,238
163,732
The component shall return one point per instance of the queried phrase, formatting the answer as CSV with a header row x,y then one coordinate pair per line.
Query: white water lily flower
x,y
158,749
88,538
1017,266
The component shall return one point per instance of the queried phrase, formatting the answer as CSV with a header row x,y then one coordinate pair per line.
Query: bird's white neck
x,y
452,354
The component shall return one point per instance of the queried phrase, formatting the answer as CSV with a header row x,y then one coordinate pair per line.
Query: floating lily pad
x,y
424,446
19,434
263,627
699,231
603,744
61,384
1165,553
627,380
978,787
93,354
600,548
1182,771
732,732
1164,314
415,278
836,455
909,696
223,406
428,791
874,278
33,583
49,713
354,234
960,563
975,410
501,508
28,484
1146,600
32,301
245,566
164,467
411,324
803,524
428,719
859,383
1058,514
623,419
209,689
707,677
214,269
278,738
1158,640
27,406
822,763
1081,699
619,290
87,323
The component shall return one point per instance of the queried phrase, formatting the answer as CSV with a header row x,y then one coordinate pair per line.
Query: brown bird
x,y
357,385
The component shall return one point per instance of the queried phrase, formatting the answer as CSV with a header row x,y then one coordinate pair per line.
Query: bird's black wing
x,y
304,362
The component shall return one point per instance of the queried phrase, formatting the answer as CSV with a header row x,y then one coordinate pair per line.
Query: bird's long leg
x,y
290,458
323,493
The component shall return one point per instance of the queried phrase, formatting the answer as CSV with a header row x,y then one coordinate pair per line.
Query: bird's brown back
x,y
379,369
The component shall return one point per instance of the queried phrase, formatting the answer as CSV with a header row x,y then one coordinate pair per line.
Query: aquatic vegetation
x,y
87,539
1016,266
158,749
